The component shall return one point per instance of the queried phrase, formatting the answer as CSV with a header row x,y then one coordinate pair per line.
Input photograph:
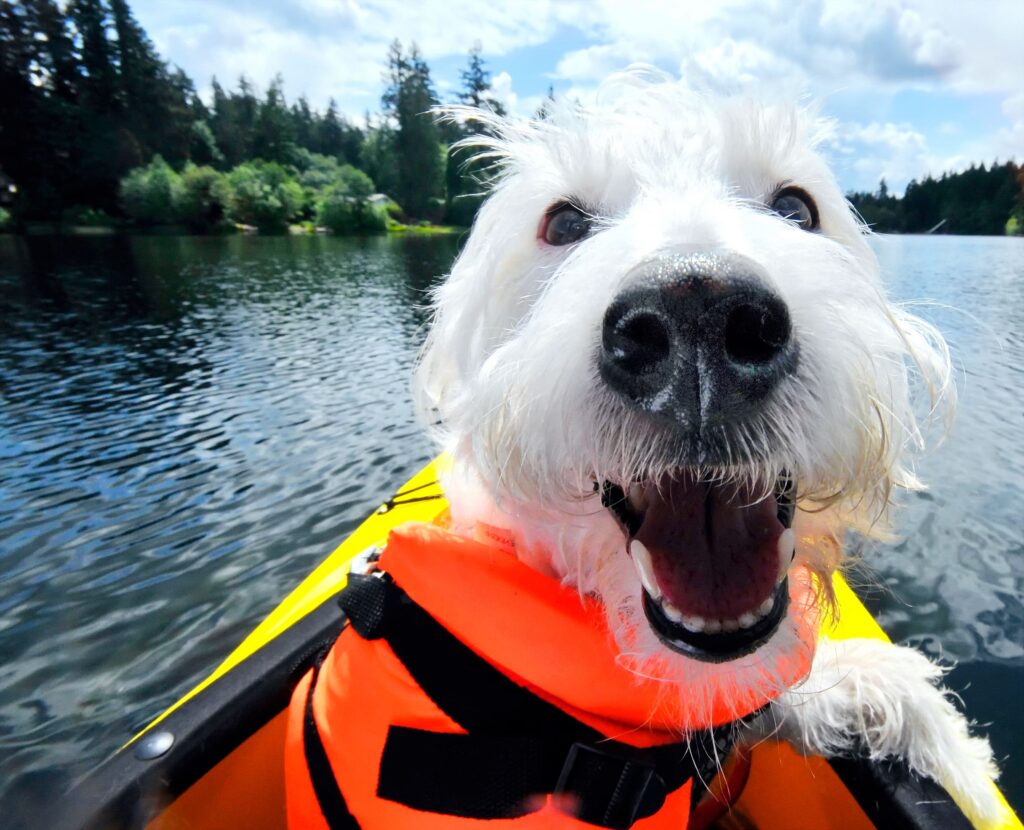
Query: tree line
x,y
96,127
977,201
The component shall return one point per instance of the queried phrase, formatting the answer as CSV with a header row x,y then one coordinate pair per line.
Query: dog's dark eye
x,y
564,224
797,206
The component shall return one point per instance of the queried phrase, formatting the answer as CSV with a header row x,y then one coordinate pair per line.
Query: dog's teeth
x,y
694,624
730,625
712,626
747,620
787,550
765,608
672,612
637,497
645,568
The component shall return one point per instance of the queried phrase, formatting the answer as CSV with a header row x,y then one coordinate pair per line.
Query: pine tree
x,y
304,125
476,83
274,129
407,100
466,178
56,55
100,82
330,131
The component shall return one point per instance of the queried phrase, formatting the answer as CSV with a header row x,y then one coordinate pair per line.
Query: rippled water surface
x,y
189,425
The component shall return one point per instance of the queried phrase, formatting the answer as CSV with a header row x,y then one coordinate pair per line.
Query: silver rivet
x,y
153,745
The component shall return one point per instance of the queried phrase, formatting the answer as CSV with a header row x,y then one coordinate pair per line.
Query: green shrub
x,y
344,213
265,195
5,219
1015,224
87,217
150,194
316,171
344,207
203,198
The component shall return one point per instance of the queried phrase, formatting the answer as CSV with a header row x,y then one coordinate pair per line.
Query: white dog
x,y
665,362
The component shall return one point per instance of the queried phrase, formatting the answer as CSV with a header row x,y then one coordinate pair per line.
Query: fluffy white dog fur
x,y
509,376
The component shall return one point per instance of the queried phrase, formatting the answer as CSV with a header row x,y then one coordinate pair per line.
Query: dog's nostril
x,y
756,333
637,342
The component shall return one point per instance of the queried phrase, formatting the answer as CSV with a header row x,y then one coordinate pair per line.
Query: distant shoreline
x,y
44,229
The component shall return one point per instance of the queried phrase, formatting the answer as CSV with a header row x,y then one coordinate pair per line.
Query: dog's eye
x,y
797,206
564,224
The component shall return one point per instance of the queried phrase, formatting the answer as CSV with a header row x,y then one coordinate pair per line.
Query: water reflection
x,y
191,425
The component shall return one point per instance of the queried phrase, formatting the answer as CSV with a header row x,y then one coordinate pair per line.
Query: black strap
x,y
518,745
325,785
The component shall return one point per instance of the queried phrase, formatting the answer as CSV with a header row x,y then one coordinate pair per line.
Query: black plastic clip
x,y
608,789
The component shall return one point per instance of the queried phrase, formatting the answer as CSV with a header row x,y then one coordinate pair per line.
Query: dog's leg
x,y
883,700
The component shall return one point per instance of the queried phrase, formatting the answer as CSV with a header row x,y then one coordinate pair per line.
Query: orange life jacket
x,y
362,719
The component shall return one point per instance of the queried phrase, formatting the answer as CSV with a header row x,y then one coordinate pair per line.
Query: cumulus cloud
x,y
824,43
867,153
1008,142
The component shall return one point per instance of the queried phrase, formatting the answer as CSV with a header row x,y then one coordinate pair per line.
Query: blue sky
x,y
915,86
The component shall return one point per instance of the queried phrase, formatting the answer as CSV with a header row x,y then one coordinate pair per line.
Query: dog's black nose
x,y
698,340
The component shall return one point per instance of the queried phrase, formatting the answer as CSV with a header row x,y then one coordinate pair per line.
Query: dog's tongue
x,y
714,551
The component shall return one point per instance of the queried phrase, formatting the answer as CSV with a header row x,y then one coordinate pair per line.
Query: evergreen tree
x,y
274,128
978,200
466,178
99,83
377,158
407,100
476,83
56,53
304,125
331,131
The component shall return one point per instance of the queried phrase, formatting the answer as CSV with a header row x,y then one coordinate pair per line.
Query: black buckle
x,y
608,789
370,602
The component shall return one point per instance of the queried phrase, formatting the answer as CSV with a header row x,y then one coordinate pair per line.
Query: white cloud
x,y
1008,142
870,152
501,91
825,44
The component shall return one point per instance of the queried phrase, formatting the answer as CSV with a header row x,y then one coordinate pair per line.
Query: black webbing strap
x,y
518,745
325,785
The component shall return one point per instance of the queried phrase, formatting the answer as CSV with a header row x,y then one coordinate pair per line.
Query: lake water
x,y
188,425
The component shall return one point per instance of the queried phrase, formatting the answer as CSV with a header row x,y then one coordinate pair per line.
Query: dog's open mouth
x,y
712,559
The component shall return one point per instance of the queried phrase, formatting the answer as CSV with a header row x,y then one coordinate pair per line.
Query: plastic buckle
x,y
608,789
368,602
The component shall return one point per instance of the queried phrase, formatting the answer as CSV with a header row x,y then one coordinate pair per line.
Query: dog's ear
x,y
929,363
914,393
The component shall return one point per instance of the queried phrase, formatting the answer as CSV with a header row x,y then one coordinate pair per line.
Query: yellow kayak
x,y
215,758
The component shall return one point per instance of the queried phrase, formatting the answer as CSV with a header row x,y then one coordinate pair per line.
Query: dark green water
x,y
187,426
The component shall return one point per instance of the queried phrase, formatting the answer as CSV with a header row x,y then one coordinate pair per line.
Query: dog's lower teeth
x,y
694,624
712,626
747,620
637,497
645,568
672,612
730,625
765,608
786,550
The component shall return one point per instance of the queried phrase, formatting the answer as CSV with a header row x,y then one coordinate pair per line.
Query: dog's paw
x,y
875,698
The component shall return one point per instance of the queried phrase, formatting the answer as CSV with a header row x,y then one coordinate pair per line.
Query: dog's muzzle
x,y
697,341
